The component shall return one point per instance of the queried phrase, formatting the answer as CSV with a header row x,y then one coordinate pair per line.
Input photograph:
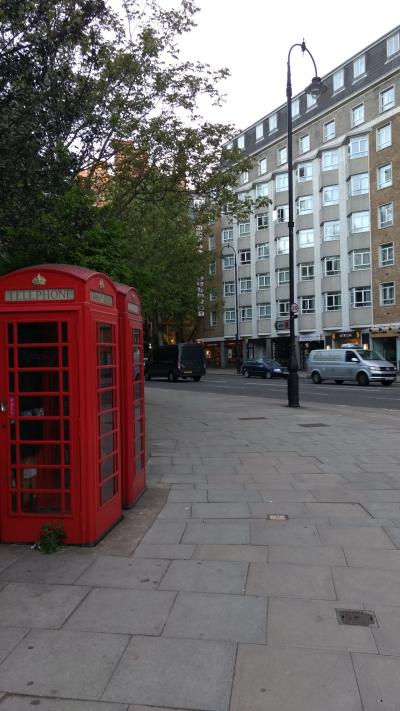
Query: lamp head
x,y
316,88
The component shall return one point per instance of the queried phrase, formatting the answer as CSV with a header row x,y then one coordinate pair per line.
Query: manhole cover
x,y
314,424
277,517
253,418
361,618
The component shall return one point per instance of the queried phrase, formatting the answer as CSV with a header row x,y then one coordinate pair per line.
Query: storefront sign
x,y
345,334
311,336
282,325
39,295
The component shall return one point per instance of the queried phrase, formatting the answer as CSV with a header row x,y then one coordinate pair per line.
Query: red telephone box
x,y
59,403
132,395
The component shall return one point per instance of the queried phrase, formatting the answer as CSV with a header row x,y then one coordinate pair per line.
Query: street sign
x,y
294,308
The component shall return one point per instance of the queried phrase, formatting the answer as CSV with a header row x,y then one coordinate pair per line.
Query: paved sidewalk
x,y
198,600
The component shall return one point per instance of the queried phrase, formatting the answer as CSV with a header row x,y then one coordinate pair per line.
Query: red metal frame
x,y
132,395
59,381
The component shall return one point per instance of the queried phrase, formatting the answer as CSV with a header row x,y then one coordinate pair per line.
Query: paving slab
x,y
280,532
187,495
289,580
165,532
175,511
181,673
9,638
10,553
55,663
123,611
232,533
29,703
61,567
167,551
311,555
334,510
387,634
286,495
372,558
276,679
314,624
221,510
367,585
232,618
379,681
35,605
206,576
252,554
117,572
292,509
233,494
355,536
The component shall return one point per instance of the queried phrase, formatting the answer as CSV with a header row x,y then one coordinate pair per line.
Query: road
x,y
350,394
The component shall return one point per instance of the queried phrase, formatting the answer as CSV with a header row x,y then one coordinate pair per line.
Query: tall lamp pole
x,y
316,88
229,246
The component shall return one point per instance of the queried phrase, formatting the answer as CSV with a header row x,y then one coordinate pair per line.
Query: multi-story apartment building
x,y
346,160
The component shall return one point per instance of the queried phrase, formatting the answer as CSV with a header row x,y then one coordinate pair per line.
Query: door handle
x,y
3,406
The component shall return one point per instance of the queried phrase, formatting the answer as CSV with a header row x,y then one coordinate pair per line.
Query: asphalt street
x,y
350,394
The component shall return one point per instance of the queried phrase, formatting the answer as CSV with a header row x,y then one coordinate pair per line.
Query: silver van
x,y
340,364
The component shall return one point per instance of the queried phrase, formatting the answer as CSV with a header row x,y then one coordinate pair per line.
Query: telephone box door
x,y
39,459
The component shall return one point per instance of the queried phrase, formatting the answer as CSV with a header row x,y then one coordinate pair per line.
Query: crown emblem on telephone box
x,y
39,280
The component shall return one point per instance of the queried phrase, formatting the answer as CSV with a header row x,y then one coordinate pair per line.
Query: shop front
x,y
309,342
386,342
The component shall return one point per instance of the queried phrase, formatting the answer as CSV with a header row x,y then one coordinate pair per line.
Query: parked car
x,y
265,368
183,360
357,364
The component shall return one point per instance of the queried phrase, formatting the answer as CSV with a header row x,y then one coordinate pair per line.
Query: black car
x,y
265,368
183,360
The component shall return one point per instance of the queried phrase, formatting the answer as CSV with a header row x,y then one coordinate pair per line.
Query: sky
x,y
252,39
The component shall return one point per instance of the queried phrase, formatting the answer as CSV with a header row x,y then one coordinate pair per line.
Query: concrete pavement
x,y
220,590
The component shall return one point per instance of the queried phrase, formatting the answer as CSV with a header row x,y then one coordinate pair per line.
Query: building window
x,y
229,288
360,297
243,196
306,272
304,143
306,238
244,228
273,123
359,67
283,276
283,308
263,281
357,115
359,184
360,259
307,305
245,256
229,316
213,318
304,172
282,155
281,182
259,131
227,234
386,99
358,146
246,313
282,213
262,166
333,301
393,45
264,311
295,107
241,141
384,136
329,130
329,160
244,285
385,215
263,251
304,205
330,230
212,268
331,266
262,221
282,245
330,195
261,190
359,221
338,80
228,262
311,101
387,294
213,294
211,243
384,177
244,177
386,255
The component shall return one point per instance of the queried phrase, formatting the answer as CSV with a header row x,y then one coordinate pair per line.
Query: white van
x,y
340,364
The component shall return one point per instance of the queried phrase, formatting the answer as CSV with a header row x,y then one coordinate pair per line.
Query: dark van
x,y
184,360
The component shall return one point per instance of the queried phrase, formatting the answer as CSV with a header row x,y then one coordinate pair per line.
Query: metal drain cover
x,y
277,517
314,424
253,418
361,618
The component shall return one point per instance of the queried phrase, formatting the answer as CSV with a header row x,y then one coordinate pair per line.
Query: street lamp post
x,y
316,88
229,246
